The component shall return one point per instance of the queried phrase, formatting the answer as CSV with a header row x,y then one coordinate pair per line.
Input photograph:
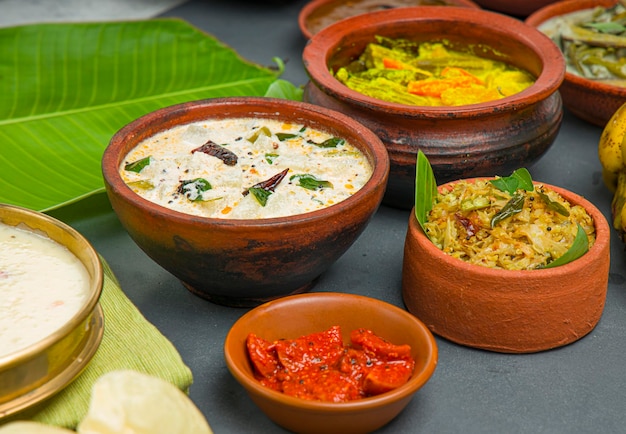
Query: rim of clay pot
x,y
406,390
324,44
565,7
167,117
602,234
312,7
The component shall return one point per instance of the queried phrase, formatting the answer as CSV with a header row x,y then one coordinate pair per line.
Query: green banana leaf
x,y
65,89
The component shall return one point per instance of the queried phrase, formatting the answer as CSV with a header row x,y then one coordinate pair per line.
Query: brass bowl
x,y
39,371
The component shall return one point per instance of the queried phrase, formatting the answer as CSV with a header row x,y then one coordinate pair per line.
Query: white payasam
x,y
42,286
245,168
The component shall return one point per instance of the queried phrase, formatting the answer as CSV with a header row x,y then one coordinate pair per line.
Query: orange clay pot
x,y
508,311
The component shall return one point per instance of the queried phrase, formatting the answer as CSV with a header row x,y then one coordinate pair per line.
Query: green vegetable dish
x,y
506,222
593,42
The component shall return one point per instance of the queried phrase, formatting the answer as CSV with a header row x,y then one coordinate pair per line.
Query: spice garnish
x,y
210,148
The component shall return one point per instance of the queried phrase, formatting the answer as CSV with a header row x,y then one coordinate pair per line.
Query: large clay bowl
x,y
521,311
303,314
318,14
460,142
513,7
36,372
589,100
245,262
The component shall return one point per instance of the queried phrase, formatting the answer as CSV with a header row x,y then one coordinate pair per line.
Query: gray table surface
x,y
580,388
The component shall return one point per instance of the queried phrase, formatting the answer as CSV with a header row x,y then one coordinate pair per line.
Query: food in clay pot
x,y
474,138
506,264
590,34
245,199
317,14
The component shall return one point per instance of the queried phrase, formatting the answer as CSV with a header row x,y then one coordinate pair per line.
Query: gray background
x,y
580,388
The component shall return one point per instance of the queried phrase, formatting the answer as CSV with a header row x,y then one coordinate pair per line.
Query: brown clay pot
x,y
521,311
591,101
519,8
248,261
460,142
318,14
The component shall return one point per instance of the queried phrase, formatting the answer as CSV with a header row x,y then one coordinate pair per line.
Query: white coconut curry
x,y
42,286
245,168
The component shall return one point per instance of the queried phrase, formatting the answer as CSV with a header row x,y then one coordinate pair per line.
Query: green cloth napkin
x,y
129,342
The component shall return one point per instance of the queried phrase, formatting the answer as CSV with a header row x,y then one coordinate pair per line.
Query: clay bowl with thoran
x,y
508,311
460,141
244,262
300,315
590,100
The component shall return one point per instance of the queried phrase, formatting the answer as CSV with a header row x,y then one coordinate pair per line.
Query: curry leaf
x,y
579,247
68,87
425,188
518,180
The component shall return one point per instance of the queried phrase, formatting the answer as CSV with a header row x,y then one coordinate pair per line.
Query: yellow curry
x,y
430,74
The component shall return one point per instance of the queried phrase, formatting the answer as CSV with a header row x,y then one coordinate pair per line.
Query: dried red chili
x,y
211,148
320,367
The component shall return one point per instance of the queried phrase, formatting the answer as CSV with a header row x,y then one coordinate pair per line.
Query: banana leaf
x,y
65,89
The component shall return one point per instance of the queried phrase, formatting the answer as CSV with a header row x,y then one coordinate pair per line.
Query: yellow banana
x,y
618,204
610,149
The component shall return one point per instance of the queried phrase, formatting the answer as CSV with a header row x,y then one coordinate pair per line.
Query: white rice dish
x,y
172,169
42,286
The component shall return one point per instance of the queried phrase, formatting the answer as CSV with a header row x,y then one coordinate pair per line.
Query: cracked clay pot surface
x,y
521,311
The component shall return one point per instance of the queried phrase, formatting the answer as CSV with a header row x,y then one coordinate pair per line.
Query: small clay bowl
x,y
517,8
40,370
245,262
508,311
587,99
317,14
303,314
462,141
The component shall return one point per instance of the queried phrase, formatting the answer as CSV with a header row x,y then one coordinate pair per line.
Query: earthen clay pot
x,y
244,262
589,100
462,141
521,311
299,315
318,14
519,8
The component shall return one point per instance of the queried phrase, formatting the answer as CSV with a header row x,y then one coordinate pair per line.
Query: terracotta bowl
x,y
591,101
245,262
299,315
509,311
36,372
317,14
460,142
515,7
